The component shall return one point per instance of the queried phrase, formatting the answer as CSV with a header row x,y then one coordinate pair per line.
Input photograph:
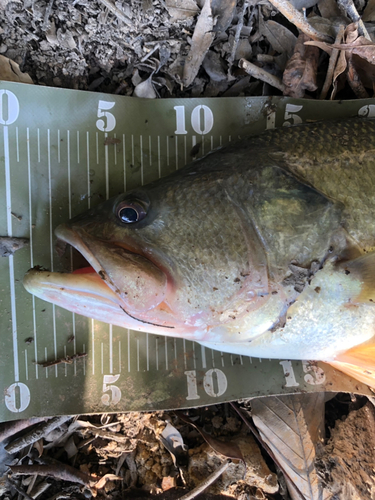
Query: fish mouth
x,y
117,282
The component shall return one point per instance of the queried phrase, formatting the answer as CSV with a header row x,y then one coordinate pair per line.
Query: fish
x,y
263,248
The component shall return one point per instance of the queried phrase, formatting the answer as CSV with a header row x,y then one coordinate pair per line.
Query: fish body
x,y
263,248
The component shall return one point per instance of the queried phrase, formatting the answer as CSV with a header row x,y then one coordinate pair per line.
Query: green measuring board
x,y
64,151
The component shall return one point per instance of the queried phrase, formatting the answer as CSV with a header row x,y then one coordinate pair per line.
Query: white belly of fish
x,y
324,321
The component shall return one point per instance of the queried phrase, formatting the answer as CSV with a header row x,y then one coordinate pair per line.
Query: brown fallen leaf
x,y
10,71
301,69
200,43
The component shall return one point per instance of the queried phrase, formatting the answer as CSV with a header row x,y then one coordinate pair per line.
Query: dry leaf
x,y
369,12
174,443
200,43
180,10
292,426
10,71
145,89
228,449
281,39
301,69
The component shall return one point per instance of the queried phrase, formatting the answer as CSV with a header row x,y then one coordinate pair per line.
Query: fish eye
x,y
131,211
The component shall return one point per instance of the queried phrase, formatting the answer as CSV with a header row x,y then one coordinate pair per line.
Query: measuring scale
x,y
64,151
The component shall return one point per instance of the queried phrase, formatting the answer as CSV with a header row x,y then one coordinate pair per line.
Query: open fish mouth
x,y
116,282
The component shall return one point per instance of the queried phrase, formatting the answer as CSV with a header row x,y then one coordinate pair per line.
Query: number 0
x,y
23,397
9,115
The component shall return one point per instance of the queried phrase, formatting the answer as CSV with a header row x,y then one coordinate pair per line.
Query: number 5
x,y
290,114
116,392
111,120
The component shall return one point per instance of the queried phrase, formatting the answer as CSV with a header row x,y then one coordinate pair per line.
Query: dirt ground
x,y
158,49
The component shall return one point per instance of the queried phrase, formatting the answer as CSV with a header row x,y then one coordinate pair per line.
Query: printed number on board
x,y
110,121
367,111
17,397
202,119
214,383
115,396
291,116
314,374
9,107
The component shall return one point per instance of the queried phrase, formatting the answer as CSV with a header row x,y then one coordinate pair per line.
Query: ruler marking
x,y
241,360
119,356
88,169
147,354
213,358
222,359
260,360
84,359
31,247
202,138
212,142
65,364
128,351
194,356
231,360
106,160
220,141
159,159
93,346
141,155
149,150
167,150
229,138
78,153
138,355
184,347
124,159
251,361
115,149
193,141
97,148
157,354
175,350
185,149
26,367
11,262
45,359
74,342
102,357
69,180
166,353
17,146
54,334
50,195
176,143
203,353
110,349
132,150
38,144
58,146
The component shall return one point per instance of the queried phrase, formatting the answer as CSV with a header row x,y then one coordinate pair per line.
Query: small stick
x,y
47,13
117,12
207,482
37,433
261,74
332,64
19,490
348,7
67,360
295,17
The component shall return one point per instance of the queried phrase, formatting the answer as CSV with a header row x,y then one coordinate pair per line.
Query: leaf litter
x,y
157,49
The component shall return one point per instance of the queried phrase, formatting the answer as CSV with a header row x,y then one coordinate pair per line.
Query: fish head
x,y
178,256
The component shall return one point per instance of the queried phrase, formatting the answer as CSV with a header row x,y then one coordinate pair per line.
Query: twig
x,y
117,12
47,13
37,433
207,482
67,360
238,33
261,74
60,471
332,64
9,429
348,7
18,489
295,17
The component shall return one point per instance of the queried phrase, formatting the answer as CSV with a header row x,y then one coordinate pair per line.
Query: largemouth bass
x,y
264,248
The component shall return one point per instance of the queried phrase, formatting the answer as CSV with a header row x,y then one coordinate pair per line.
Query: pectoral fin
x,y
363,269
358,362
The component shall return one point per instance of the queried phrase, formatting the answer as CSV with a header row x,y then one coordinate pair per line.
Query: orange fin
x,y
358,362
